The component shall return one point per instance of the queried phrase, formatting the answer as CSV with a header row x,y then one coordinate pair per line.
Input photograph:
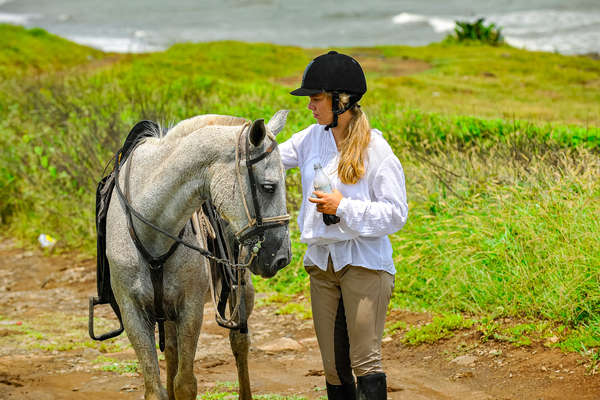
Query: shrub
x,y
476,32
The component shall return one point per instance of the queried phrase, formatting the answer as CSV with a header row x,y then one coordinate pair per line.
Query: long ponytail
x,y
353,152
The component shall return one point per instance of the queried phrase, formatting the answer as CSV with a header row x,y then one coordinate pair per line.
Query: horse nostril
x,y
281,262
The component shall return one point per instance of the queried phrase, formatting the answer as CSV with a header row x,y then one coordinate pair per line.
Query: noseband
x,y
253,233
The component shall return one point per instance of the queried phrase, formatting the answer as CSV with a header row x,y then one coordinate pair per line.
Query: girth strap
x,y
156,274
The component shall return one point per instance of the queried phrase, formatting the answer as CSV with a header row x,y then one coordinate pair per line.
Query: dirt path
x,y
45,352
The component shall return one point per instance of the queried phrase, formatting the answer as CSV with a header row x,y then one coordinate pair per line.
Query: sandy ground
x,y
45,352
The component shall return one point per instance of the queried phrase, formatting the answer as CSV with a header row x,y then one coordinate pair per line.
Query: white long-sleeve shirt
x,y
370,210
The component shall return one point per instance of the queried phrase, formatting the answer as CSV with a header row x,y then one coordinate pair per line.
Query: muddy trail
x,y
45,352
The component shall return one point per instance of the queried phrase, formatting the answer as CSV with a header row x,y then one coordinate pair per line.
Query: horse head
x,y
255,210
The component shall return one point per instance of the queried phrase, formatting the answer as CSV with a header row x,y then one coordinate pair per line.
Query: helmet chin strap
x,y
335,102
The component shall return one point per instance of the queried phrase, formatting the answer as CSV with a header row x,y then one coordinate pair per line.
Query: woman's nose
x,y
311,106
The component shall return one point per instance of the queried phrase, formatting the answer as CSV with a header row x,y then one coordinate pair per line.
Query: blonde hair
x,y
353,151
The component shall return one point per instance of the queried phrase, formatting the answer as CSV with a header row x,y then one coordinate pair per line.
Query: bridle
x,y
257,225
250,236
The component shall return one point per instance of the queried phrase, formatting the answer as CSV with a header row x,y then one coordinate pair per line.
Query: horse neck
x,y
170,180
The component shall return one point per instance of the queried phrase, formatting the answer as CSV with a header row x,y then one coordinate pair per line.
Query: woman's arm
x,y
291,149
387,212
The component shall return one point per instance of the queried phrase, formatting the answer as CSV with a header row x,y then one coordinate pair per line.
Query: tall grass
x,y
510,229
503,212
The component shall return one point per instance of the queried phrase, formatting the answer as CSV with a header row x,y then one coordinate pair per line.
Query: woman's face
x,y
320,105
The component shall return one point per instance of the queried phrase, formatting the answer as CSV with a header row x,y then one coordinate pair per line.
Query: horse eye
x,y
268,187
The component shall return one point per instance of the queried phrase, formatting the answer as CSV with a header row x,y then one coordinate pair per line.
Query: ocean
x,y
568,27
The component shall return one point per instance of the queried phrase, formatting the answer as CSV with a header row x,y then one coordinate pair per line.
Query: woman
x,y
349,258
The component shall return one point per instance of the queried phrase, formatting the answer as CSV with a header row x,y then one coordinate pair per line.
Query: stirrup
x,y
94,301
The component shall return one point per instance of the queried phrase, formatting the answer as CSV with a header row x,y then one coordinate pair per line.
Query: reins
x,y
249,236
221,319
161,259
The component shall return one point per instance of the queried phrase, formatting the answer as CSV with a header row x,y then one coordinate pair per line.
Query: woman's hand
x,y
327,203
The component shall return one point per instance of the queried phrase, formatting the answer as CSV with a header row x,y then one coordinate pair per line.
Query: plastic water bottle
x,y
322,184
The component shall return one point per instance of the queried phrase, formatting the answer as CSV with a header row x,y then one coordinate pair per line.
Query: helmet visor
x,y
305,92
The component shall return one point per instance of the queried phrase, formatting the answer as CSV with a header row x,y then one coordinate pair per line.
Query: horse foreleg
x,y
185,386
240,344
140,332
171,356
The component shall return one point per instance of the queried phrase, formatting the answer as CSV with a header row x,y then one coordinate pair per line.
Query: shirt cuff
x,y
342,208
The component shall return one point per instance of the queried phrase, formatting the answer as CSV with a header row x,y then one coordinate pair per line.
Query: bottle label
x,y
323,188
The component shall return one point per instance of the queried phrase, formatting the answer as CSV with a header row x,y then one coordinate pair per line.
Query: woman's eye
x,y
269,188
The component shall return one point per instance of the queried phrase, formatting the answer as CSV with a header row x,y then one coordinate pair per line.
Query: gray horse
x,y
169,178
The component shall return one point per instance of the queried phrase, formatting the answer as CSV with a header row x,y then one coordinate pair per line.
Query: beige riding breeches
x,y
349,309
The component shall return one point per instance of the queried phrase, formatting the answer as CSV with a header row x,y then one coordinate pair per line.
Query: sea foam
x,y
544,21
438,24
115,44
17,19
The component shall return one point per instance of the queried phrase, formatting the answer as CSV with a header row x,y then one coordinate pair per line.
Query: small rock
x,y
544,368
128,388
465,360
281,344
495,352
461,375
315,372
308,341
89,353
386,339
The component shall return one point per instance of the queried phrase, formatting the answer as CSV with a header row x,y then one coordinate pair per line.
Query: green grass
x,y
57,331
303,311
118,366
34,51
500,149
225,390
440,328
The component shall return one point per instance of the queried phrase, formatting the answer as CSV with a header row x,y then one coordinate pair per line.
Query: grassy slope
x,y
503,216
34,51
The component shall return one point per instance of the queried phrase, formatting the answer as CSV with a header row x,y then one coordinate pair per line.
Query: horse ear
x,y
257,132
277,121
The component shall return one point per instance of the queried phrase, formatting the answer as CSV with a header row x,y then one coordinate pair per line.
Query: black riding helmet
x,y
334,73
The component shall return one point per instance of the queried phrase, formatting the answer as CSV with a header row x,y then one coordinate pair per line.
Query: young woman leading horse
x,y
349,258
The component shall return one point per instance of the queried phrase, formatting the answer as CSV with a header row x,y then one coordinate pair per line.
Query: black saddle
x,y
104,191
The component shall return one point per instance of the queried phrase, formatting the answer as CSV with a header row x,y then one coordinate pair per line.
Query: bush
x,y
476,32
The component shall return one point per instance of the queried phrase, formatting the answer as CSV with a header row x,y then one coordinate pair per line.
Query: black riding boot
x,y
341,392
372,387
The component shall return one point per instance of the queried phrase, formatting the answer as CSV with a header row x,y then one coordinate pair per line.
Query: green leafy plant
x,y
477,32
